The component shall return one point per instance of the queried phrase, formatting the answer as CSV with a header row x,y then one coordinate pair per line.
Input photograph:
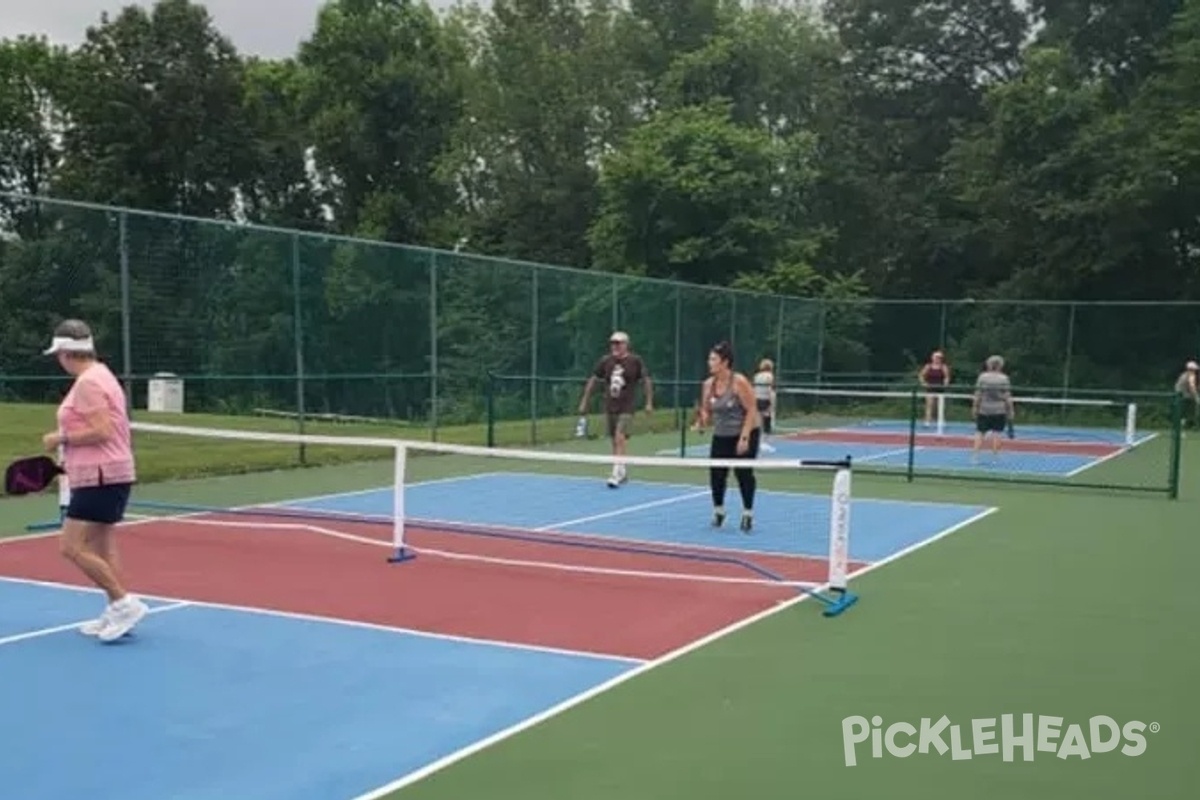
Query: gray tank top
x,y
727,413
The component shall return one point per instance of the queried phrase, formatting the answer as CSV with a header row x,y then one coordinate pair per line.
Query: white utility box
x,y
165,393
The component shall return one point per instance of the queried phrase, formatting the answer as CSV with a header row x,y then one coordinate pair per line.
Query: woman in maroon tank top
x,y
934,377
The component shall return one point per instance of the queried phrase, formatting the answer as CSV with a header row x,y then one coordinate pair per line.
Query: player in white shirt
x,y
764,397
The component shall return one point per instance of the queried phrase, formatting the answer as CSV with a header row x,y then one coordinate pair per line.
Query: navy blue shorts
x,y
104,504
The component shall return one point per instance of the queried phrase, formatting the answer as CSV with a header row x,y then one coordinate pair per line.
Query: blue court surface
x,y
214,703
1078,449
211,702
651,512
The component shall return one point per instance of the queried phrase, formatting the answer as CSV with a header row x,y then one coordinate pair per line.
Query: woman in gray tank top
x,y
728,401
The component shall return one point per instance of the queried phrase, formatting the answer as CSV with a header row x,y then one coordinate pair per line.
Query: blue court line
x,y
215,703
657,513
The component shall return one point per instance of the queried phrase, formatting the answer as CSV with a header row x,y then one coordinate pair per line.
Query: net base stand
x,y
842,600
43,527
400,555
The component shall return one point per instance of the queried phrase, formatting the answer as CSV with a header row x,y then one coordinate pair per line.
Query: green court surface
x,y
1064,603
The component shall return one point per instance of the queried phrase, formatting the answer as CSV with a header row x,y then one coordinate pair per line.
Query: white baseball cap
x,y
619,336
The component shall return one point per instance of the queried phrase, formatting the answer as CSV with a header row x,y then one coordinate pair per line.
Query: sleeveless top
x,y
727,412
108,462
762,385
935,375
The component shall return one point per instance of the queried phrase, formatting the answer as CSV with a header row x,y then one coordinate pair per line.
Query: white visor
x,y
65,344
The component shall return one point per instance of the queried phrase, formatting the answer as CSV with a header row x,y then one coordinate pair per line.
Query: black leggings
x,y
718,477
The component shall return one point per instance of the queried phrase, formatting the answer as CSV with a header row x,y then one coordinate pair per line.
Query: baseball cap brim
x,y
65,344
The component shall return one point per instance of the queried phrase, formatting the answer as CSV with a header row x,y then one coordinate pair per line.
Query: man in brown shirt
x,y
620,371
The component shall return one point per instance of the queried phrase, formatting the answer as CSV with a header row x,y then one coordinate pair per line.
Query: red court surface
x,y
293,569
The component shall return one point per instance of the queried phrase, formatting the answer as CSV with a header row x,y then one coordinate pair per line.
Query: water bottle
x,y
581,428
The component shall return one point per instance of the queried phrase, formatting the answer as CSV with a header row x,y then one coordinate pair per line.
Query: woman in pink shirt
x,y
93,431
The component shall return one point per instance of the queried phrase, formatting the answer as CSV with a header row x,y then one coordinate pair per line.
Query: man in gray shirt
x,y
993,406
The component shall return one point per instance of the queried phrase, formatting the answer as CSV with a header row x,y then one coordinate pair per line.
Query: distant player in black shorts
x,y
993,405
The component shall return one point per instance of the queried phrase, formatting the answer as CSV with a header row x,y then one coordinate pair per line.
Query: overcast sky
x,y
269,28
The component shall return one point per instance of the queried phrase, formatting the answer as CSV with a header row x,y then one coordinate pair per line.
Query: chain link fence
x,y
256,320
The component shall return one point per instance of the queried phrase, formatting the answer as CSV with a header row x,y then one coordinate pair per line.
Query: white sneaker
x,y
125,614
94,626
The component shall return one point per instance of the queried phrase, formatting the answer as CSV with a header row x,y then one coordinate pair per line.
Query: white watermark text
x,y
1010,736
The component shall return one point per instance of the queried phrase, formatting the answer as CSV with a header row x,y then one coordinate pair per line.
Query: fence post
x,y
682,420
1070,346
820,341
298,332
912,434
533,360
433,346
779,339
126,344
489,403
1176,445
616,315
942,326
733,321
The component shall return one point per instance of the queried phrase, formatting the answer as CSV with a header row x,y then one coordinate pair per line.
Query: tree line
x,y
983,149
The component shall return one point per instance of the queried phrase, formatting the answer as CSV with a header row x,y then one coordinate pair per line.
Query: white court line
x,y
388,489
732,552
349,623
853,458
513,562
21,537
441,526
22,637
621,511
1122,450
437,525
824,496
1098,461
1095,462
466,525
621,573
885,454
612,683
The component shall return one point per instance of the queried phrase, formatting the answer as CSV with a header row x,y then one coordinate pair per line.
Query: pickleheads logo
x,y
1028,734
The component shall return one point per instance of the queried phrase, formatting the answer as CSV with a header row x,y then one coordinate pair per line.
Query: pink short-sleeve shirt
x,y
107,462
